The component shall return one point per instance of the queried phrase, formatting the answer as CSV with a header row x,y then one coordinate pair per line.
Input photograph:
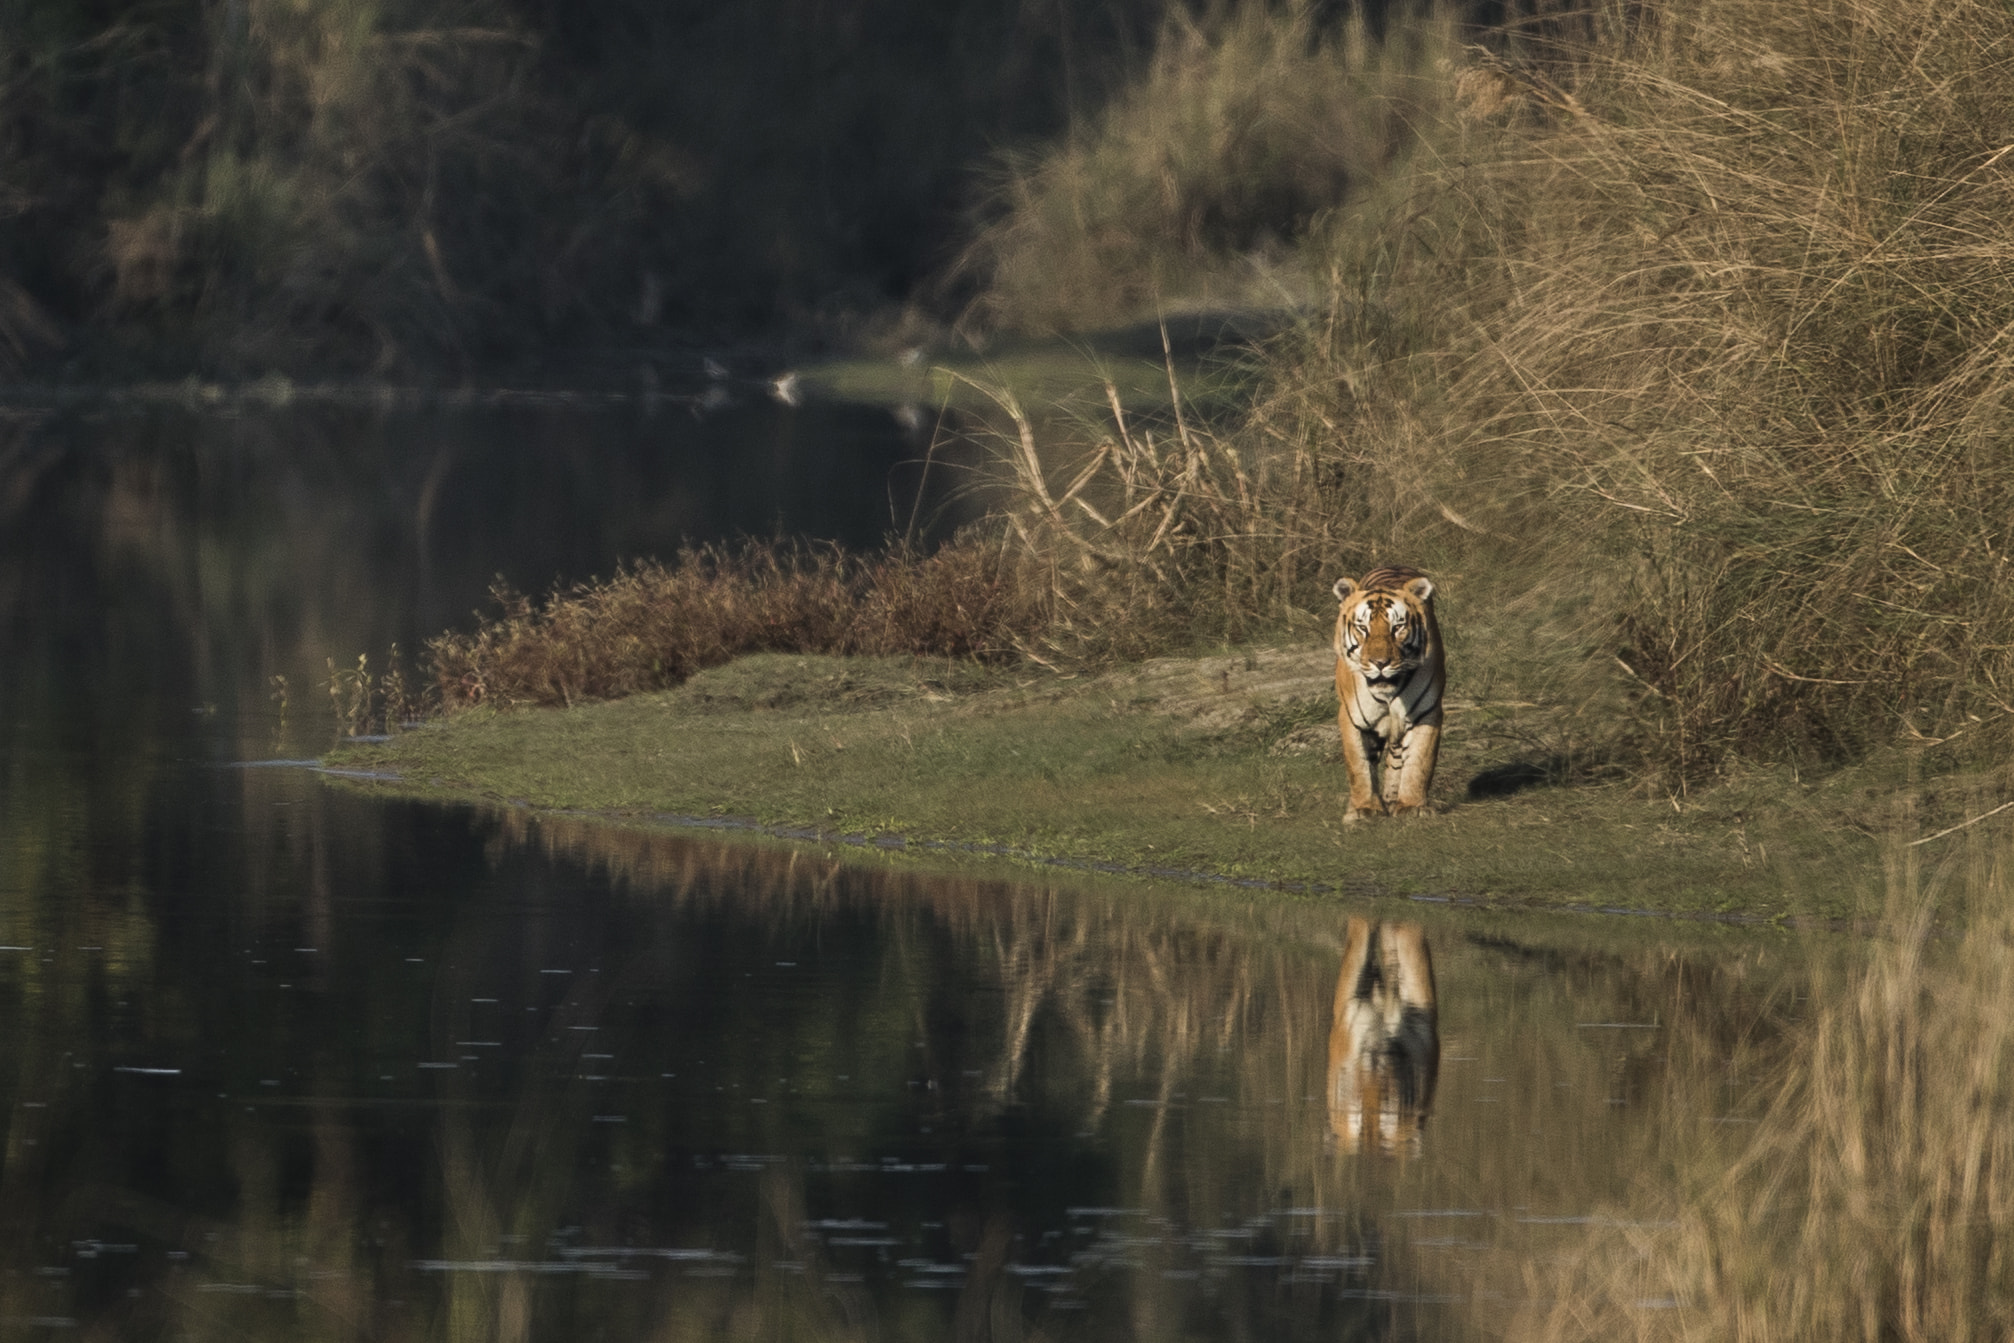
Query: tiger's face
x,y
1381,632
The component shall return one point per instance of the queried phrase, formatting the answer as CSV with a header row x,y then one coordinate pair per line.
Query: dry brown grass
x,y
1698,317
1148,533
1199,181
1716,299
652,625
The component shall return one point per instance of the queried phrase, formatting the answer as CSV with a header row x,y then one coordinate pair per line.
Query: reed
x,y
1149,533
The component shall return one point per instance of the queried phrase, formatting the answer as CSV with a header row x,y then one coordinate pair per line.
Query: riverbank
x,y
1212,768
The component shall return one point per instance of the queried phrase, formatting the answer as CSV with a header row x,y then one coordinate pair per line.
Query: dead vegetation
x,y
653,625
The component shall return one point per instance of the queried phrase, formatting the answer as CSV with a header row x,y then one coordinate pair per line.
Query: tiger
x,y
1384,1040
1389,676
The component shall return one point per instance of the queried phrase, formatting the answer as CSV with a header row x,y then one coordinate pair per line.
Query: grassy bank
x,y
1226,766
1672,342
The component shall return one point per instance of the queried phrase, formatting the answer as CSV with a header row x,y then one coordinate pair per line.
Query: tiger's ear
x,y
1344,587
1421,587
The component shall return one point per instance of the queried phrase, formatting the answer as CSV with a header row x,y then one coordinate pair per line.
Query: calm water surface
x,y
290,1062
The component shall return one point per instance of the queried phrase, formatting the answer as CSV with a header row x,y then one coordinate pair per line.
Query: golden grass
x,y
1716,300
1697,316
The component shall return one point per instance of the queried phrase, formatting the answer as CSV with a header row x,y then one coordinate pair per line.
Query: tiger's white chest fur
x,y
1390,708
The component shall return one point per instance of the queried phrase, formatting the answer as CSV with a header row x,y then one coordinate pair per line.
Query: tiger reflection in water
x,y
1385,1043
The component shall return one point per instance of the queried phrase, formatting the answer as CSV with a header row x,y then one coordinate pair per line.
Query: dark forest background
x,y
366,186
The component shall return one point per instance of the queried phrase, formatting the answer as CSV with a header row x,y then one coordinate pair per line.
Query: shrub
x,y
653,625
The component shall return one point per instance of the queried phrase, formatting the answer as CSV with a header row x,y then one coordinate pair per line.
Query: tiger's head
x,y
1382,629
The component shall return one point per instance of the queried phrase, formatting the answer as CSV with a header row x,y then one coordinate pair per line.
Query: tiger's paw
x,y
1355,814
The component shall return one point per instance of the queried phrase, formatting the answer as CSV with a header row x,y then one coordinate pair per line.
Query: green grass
x,y
1224,766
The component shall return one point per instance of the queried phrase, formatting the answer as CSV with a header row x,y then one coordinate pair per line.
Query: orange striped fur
x,y
1390,673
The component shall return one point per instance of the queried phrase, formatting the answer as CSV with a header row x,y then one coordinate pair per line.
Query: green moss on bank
x,y
1226,766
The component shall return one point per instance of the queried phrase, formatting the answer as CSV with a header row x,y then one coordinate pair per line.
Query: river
x,y
290,1061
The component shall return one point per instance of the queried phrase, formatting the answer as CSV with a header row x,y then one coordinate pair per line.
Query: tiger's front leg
x,y
1360,750
1409,765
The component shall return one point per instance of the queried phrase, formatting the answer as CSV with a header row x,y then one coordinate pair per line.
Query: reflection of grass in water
x,y
1074,1004
1876,1197
1111,999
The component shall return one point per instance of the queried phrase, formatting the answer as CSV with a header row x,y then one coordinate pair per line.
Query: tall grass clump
x,y
653,625
1708,308
1199,180
1150,533
1876,1200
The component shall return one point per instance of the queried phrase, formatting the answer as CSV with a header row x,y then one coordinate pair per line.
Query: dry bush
x,y
1160,532
653,625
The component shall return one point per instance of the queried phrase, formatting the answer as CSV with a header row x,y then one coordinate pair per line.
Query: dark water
x,y
286,1061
